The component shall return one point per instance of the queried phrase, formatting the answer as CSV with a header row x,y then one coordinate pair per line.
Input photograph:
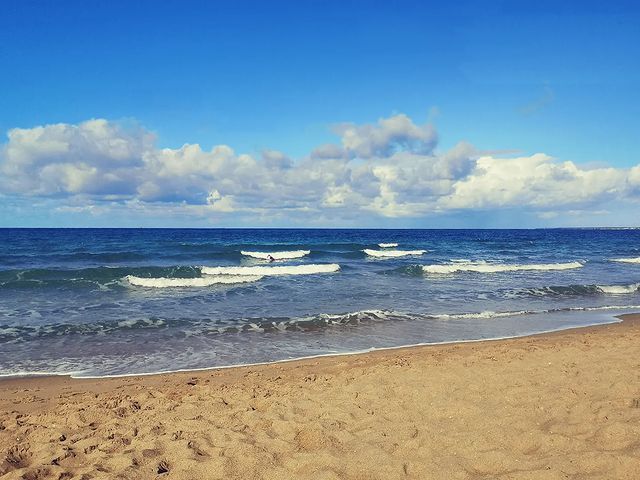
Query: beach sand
x,y
553,406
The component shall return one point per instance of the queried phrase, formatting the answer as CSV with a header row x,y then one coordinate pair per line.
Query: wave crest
x,y
571,290
21,333
479,267
487,314
387,245
277,255
276,270
627,260
619,289
164,282
392,253
192,326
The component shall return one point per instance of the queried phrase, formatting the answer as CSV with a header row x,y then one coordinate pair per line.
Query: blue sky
x,y
508,78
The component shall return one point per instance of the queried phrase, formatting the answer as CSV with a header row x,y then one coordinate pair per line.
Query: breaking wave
x,y
387,245
195,327
392,253
164,282
619,289
573,290
277,255
100,278
18,333
482,267
486,314
491,314
275,270
627,260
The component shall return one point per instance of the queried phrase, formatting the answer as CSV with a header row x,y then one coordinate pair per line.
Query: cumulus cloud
x,y
276,160
388,169
536,181
387,137
96,157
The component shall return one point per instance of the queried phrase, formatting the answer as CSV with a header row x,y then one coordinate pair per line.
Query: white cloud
x,y
95,156
534,181
387,137
276,160
388,169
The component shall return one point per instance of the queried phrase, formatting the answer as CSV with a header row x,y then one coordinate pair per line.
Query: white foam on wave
x,y
601,320
491,314
619,289
164,282
392,253
40,373
277,255
276,270
387,245
605,307
480,267
627,260
486,314
135,322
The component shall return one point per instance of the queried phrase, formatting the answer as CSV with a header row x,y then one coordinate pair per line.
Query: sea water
x,y
94,302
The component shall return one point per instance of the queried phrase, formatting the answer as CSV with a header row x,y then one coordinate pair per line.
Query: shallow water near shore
x,y
125,301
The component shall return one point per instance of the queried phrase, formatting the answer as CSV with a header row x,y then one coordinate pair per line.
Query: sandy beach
x,y
552,406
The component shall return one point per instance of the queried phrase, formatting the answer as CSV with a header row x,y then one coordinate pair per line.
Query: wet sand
x,y
553,406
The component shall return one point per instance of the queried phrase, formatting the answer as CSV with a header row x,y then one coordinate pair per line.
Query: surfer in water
x,y
270,258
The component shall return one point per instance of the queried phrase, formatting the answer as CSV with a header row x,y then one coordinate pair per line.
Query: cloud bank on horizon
x,y
384,170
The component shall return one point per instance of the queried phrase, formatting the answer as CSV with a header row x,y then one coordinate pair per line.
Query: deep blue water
x,y
75,300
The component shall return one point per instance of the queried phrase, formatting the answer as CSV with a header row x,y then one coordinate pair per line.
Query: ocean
x,y
101,302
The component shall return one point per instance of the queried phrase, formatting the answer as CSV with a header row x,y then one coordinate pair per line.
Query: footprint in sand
x,y
18,456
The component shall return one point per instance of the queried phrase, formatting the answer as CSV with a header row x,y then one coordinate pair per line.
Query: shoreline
x,y
8,382
615,319
562,404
